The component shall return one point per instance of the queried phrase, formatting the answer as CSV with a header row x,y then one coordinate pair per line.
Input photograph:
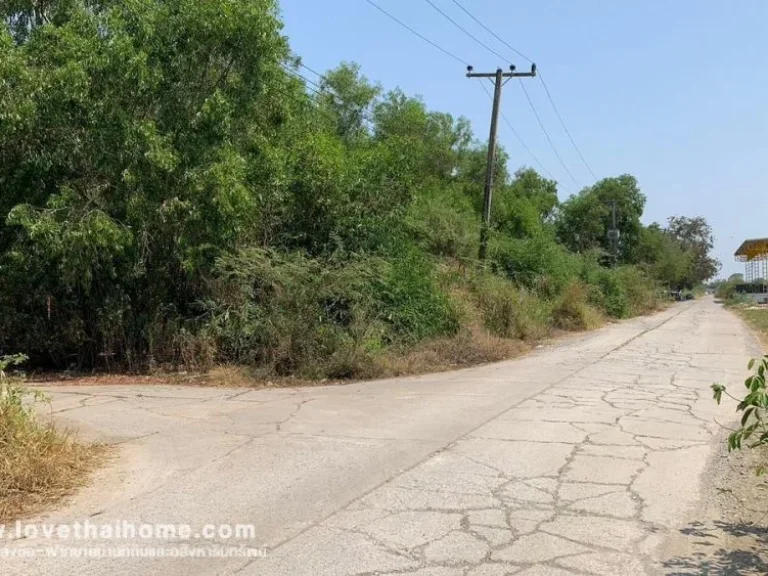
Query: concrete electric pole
x,y
614,235
498,80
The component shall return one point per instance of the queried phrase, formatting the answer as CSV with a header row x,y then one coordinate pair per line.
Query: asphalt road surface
x,y
585,457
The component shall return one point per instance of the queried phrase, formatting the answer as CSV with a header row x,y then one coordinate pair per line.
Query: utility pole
x,y
614,235
498,80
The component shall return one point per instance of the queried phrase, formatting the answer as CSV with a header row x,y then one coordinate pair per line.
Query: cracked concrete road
x,y
585,457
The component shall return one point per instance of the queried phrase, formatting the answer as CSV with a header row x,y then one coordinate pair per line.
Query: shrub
x,y
725,290
572,310
737,299
614,296
445,224
697,291
283,314
288,314
409,300
621,292
538,262
509,311
642,292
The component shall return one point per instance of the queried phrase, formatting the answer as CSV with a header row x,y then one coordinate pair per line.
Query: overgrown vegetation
x,y
171,194
38,463
734,291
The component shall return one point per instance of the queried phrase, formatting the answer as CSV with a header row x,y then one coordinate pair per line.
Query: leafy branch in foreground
x,y
753,431
15,412
9,396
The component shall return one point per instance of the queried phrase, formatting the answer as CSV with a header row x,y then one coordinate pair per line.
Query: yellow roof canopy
x,y
751,249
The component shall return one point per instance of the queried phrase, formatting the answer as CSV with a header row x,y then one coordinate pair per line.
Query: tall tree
x,y
348,96
432,142
126,144
526,205
695,235
584,219
664,256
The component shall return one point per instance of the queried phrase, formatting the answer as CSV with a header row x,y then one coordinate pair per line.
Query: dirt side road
x,y
587,457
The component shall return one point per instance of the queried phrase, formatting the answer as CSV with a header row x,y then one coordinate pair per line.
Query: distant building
x,y
754,254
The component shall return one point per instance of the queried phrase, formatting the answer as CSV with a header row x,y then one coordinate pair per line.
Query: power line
x,y
565,128
491,50
460,27
299,75
523,144
549,139
315,72
412,31
318,90
491,32
325,89
541,77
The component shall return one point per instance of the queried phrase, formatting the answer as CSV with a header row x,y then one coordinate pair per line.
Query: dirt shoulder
x,y
757,319
728,534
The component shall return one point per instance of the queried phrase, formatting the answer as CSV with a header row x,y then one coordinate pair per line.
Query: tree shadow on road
x,y
722,549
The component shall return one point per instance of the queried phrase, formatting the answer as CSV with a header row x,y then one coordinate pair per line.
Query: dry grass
x,y
757,318
113,379
467,348
38,463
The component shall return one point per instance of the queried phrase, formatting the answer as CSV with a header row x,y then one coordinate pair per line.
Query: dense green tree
x,y
471,172
126,137
348,96
584,219
525,206
432,143
696,236
542,193
664,256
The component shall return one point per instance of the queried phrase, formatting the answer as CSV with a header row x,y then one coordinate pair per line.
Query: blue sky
x,y
673,92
